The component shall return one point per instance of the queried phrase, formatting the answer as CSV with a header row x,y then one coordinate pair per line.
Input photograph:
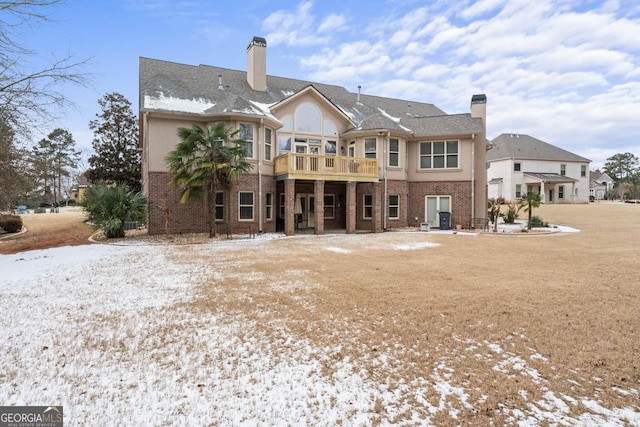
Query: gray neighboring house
x,y
323,158
600,184
519,164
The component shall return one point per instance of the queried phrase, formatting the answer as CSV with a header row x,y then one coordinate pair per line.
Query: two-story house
x,y
519,164
323,158
601,184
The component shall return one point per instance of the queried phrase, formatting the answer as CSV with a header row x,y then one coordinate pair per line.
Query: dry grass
x,y
49,230
473,311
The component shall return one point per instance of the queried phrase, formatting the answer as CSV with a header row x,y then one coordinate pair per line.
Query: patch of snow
x,y
337,250
177,104
415,246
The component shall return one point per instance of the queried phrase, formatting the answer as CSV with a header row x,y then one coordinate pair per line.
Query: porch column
x,y
289,206
351,207
318,192
543,195
378,207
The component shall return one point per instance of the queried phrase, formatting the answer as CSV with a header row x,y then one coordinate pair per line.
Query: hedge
x,y
10,223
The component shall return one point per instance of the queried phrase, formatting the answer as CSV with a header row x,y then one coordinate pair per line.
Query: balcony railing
x,y
335,168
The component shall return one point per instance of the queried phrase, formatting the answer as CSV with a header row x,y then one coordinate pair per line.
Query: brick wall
x,y
460,192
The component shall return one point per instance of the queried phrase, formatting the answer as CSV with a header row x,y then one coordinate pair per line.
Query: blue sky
x,y
566,72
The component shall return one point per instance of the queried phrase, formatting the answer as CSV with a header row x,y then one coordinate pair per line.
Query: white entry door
x,y
433,205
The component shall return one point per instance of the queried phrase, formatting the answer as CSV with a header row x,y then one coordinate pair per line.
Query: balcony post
x,y
318,192
289,206
351,207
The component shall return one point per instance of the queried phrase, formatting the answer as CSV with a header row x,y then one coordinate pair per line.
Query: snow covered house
x,y
519,164
323,158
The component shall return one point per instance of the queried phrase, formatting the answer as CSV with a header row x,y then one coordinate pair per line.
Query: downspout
x,y
473,176
260,128
384,175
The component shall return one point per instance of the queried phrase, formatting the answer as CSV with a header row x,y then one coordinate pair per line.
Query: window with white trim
x,y
370,148
308,119
329,206
267,144
394,206
583,170
563,170
246,134
219,206
560,191
367,204
518,190
268,206
245,205
517,167
439,155
394,152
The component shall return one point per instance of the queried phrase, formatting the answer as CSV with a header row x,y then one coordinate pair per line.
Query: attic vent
x,y
358,102
220,86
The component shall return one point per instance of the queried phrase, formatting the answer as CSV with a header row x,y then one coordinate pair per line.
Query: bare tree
x,y
28,94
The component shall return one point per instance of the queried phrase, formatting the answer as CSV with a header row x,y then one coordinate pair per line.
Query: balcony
x,y
328,168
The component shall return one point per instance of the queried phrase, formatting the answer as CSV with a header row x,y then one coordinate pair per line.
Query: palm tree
x,y
529,202
203,159
109,207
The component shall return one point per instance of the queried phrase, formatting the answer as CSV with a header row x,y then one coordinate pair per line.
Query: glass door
x,y
433,206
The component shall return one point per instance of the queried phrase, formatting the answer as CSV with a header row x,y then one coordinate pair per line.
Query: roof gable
x,y
316,94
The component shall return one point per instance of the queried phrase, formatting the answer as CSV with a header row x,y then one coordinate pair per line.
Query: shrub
x,y
511,214
110,207
10,223
536,221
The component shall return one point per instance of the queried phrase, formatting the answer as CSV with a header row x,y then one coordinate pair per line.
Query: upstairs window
x,y
267,144
439,155
583,171
394,152
370,148
563,170
517,167
246,133
308,119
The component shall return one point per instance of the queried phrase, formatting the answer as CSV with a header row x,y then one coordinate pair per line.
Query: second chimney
x,y
257,64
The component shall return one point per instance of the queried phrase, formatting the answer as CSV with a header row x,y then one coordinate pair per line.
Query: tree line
x,y
624,170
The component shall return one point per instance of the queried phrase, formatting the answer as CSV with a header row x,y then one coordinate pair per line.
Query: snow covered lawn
x,y
210,335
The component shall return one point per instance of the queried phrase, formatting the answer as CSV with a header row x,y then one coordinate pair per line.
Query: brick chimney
x,y
257,64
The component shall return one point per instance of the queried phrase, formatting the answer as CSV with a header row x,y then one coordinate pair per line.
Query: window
x,y
329,206
517,167
330,148
246,133
561,192
394,154
308,119
267,144
394,206
370,148
286,123
284,144
245,206
219,206
367,212
269,206
529,189
330,128
439,155
583,171
518,190
563,170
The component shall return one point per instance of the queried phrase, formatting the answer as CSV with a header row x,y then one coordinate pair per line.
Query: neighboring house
x,y
77,192
599,184
323,158
520,164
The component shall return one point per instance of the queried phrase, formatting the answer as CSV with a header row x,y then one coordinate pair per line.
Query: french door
x,y
433,206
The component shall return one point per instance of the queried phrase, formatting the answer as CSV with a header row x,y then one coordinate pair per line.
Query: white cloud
x,y
332,22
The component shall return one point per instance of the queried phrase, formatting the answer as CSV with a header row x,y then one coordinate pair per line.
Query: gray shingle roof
x,y
550,177
519,146
169,86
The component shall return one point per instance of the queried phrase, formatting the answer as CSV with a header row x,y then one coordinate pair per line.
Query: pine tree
x,y
117,158
53,158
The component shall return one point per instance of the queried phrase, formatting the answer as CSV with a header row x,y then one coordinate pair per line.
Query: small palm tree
x,y
109,207
203,159
529,202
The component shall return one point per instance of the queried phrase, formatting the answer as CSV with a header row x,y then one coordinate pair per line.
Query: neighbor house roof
x,y
525,147
549,177
206,90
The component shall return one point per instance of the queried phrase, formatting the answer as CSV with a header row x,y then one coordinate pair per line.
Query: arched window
x,y
308,119
329,128
286,123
